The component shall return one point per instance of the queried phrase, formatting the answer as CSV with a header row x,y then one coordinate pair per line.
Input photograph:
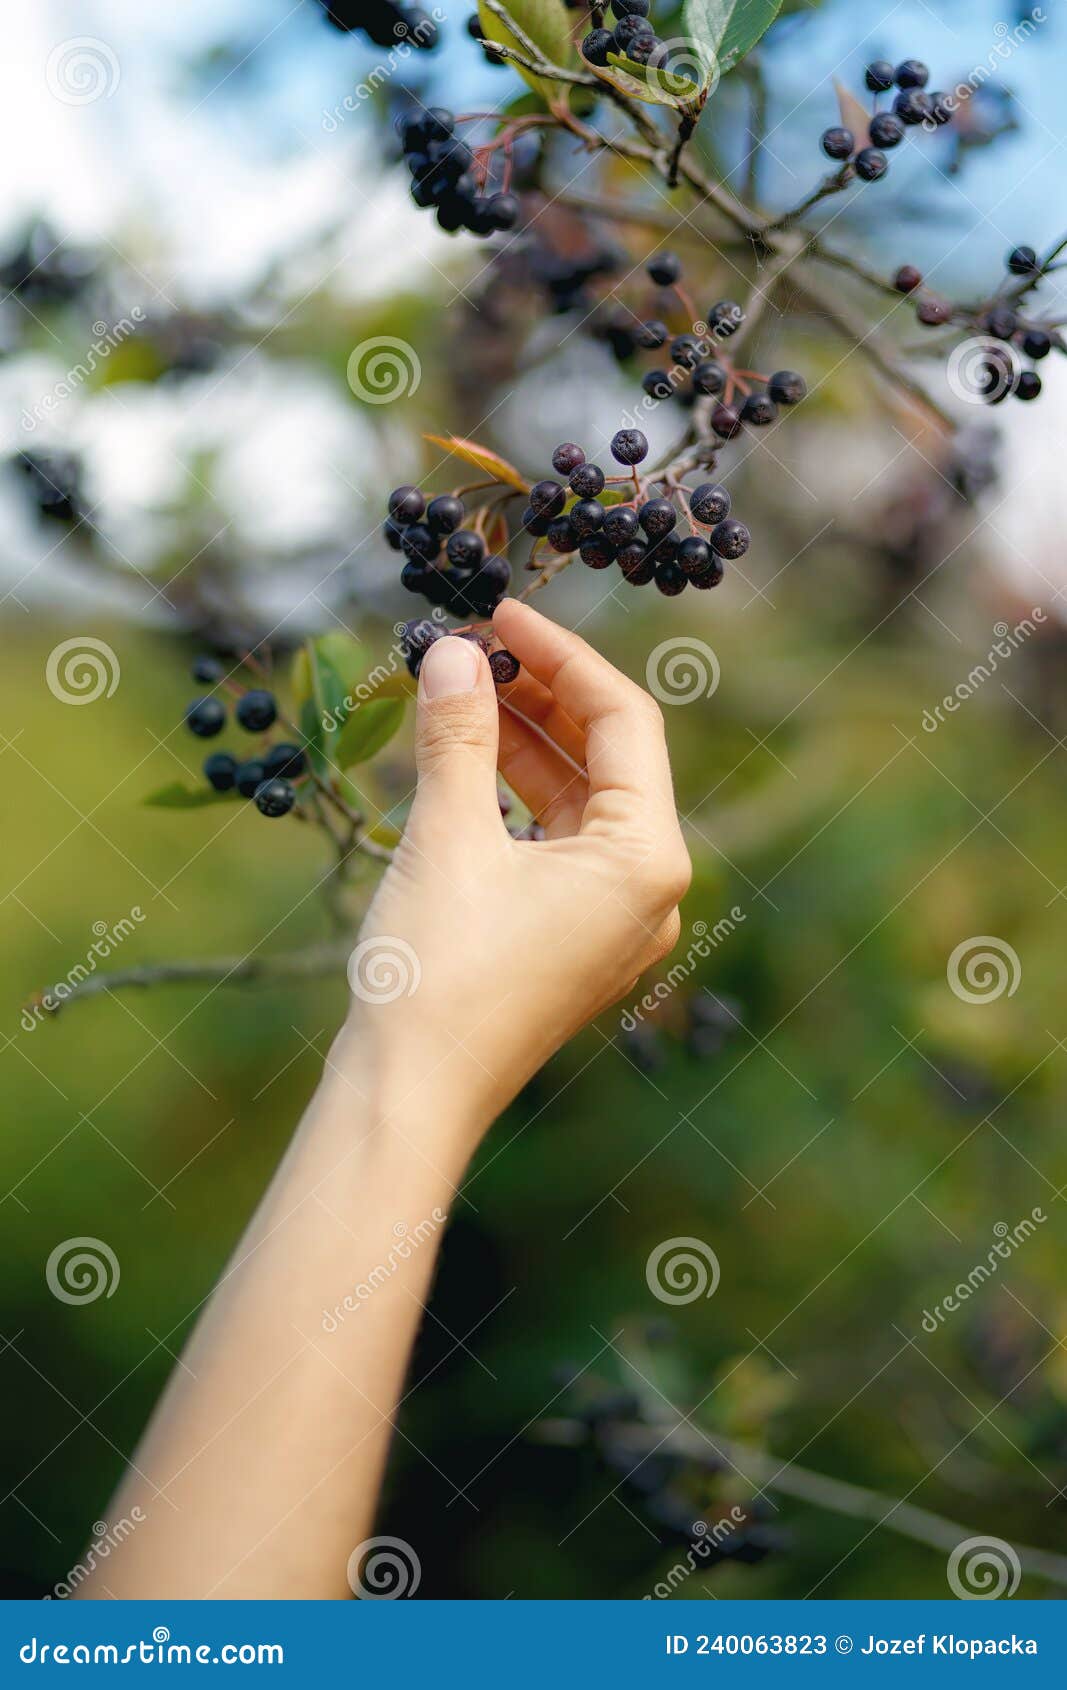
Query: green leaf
x,y
547,23
370,726
655,87
727,29
177,796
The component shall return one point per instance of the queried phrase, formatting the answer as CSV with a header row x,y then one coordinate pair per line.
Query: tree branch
x,y
314,961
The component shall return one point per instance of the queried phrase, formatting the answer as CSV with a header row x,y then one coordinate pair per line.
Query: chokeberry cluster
x,y
912,105
386,23
420,634
272,775
453,179
1011,334
447,563
631,37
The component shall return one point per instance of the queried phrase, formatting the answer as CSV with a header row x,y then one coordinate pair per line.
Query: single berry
x,y
786,387
631,8
665,269
504,667
629,446
485,589
912,107
709,503
465,549
730,538
626,31
547,498
911,73
725,421
907,279
220,769
1022,261
274,798
652,335
207,670
567,457
758,410
256,711
620,524
444,514
657,384
394,533
837,142
709,377
587,481
596,551
1000,320
685,350
1028,385
419,636
637,565
657,517
284,760
586,517
249,777
879,76
597,45
415,575
205,717
670,578
419,543
503,211
933,312
693,555
700,575
886,130
562,535
871,165
535,524
1036,343
725,318
406,504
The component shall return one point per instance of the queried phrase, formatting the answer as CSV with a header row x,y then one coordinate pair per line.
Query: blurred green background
x,y
814,1103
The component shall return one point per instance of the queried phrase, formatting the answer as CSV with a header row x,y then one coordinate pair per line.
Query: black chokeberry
x,y
665,269
561,534
911,73
504,667
597,45
587,516
221,769
1022,261
394,533
1000,321
587,481
567,457
786,387
657,517
837,142
415,575
657,384
701,574
444,514
912,106
465,549
671,578
626,31
631,8
256,711
207,670
871,165
205,717
274,797
907,279
636,562
933,312
597,551
685,350
709,377
547,498
693,555
286,760
535,524
652,335
725,421
249,777
620,524
886,130
629,446
730,538
709,503
502,210
406,504
942,107
487,586
1028,385
879,76
725,318
759,409
1036,343
418,637
419,543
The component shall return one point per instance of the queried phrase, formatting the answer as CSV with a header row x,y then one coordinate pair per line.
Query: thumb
x,y
457,731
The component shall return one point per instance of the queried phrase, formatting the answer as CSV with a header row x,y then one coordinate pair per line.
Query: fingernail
x,y
450,666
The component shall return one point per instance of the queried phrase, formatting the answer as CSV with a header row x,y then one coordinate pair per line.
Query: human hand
x,y
482,954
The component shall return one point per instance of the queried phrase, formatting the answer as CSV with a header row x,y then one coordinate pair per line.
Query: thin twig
x,y
310,963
